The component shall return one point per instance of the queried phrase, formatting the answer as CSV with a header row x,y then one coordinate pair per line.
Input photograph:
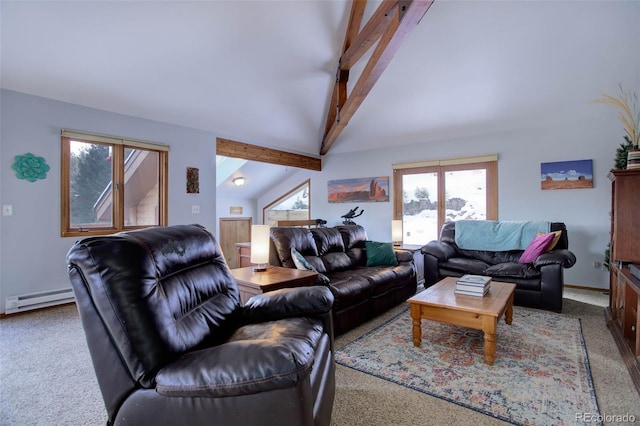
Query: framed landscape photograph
x,y
373,189
566,174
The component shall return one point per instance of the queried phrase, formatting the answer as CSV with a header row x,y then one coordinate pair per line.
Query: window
x,y
111,184
294,205
428,194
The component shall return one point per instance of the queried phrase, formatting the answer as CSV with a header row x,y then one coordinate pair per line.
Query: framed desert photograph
x,y
373,189
566,174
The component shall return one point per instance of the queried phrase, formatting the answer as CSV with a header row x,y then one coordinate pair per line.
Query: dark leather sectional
x,y
360,292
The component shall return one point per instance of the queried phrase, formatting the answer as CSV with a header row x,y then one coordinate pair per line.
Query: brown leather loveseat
x,y
172,345
360,292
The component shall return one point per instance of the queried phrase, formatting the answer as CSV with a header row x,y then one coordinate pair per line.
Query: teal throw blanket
x,y
497,235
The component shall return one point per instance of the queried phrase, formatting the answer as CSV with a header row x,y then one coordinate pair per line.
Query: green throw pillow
x,y
380,254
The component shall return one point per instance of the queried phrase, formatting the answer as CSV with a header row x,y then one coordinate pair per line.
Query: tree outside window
x,y
111,184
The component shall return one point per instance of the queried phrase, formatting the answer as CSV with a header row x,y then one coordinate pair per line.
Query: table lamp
x,y
396,232
260,247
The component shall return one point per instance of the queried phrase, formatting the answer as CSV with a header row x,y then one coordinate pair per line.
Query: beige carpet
x,y
46,376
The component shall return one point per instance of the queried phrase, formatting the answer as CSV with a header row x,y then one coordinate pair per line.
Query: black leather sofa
x,y
171,344
538,284
360,292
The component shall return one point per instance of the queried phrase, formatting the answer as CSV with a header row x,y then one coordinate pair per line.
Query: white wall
x,y
223,206
585,211
31,249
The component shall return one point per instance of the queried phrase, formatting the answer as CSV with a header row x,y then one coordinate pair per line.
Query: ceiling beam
x,y
391,23
230,148
368,36
339,93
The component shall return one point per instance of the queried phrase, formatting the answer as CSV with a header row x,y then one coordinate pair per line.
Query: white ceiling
x,y
261,71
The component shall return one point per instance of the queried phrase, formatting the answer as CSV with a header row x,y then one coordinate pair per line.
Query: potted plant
x,y
627,104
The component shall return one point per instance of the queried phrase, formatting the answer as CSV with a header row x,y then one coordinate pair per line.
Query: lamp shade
x,y
260,244
396,232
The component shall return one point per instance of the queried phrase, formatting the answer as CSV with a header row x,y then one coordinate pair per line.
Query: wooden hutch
x,y
624,296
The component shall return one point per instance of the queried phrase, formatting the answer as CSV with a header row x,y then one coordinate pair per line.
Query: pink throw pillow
x,y
536,248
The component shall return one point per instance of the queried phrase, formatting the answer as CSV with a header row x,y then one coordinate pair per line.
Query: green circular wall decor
x,y
30,167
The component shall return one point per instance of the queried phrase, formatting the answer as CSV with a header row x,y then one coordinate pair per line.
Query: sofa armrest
x,y
561,257
287,303
438,249
403,255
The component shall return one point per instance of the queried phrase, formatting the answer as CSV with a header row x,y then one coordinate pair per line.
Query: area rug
x,y
541,375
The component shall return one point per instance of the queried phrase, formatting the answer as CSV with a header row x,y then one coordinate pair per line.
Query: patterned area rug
x,y
541,375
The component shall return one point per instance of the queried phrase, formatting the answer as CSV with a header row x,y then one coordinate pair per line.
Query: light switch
x,y
7,210
195,209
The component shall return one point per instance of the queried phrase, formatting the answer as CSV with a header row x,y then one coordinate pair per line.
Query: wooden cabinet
x,y
624,294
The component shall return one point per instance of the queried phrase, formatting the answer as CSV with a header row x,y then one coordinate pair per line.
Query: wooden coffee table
x,y
440,303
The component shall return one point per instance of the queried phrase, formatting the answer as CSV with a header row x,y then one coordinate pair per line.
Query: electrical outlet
x,y
195,209
7,210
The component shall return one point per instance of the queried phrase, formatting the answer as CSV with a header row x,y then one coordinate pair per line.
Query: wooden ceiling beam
x,y
339,93
396,24
230,148
371,33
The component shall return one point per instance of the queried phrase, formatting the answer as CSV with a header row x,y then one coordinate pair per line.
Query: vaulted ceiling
x,y
263,72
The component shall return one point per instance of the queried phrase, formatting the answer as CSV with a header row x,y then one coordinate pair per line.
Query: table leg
x,y
489,329
416,329
508,315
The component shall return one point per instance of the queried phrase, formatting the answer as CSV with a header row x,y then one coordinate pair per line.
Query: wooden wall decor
x,y
193,180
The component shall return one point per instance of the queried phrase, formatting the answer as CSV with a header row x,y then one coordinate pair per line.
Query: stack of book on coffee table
x,y
473,285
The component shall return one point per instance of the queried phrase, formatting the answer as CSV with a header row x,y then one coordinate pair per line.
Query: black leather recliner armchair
x,y
538,285
171,344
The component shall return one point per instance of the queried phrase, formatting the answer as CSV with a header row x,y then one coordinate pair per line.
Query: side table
x,y
418,260
251,283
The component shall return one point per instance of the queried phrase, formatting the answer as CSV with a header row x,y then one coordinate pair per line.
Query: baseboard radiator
x,y
27,302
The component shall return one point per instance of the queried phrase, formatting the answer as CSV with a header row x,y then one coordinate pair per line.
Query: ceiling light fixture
x,y
239,181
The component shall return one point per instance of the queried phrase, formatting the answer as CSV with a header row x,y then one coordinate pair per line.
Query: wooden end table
x,y
251,283
440,303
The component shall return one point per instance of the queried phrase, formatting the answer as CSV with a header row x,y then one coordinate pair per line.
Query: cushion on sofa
x,y
384,278
284,237
466,265
349,288
337,261
328,240
380,254
512,269
300,261
353,236
554,241
536,247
